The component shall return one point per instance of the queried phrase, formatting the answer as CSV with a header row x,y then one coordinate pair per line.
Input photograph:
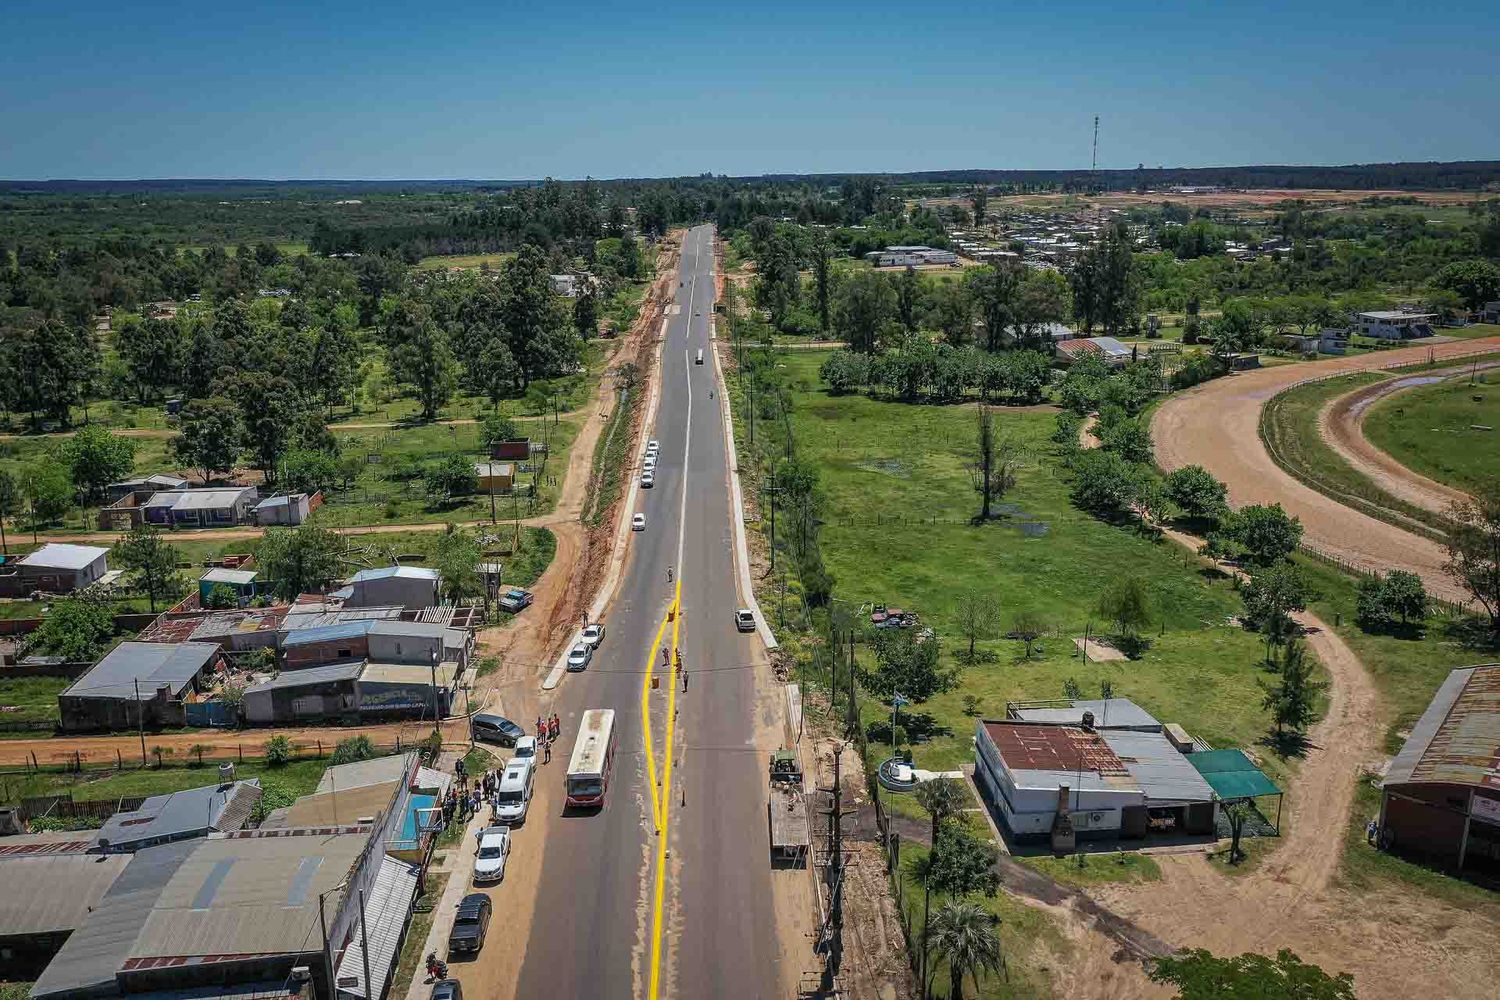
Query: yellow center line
x,y
661,630
664,800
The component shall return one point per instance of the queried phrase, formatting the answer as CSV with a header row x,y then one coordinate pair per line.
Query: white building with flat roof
x,y
1395,324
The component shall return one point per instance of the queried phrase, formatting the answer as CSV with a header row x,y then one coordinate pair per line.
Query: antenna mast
x,y
1094,166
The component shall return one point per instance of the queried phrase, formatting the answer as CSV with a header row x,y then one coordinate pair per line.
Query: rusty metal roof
x,y
1032,746
1457,740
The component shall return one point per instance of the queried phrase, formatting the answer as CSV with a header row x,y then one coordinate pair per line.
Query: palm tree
x,y
964,934
920,868
200,749
941,797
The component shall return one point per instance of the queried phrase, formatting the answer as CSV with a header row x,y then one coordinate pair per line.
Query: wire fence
x,y
101,760
1449,608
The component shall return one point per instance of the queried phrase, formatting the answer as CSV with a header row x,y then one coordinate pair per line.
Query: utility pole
x,y
140,720
436,715
833,931
771,492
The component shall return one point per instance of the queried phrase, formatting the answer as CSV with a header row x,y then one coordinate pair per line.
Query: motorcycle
x,y
436,967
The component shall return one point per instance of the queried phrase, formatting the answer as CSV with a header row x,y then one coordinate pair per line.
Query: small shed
x,y
409,587
242,582
287,508
514,450
495,477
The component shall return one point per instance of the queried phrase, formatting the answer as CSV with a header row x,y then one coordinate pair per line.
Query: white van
x,y
699,359
514,795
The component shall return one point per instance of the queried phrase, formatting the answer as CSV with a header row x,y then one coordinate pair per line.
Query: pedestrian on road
x,y
556,728
684,681
547,752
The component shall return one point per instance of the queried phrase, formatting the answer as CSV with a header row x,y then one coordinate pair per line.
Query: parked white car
x,y
653,446
648,480
592,635
638,522
489,859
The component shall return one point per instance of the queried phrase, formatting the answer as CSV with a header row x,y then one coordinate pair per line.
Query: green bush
x,y
278,751
353,749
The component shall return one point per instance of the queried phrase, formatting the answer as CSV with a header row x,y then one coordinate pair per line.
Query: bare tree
x,y
1028,626
978,617
1237,813
996,461
1474,548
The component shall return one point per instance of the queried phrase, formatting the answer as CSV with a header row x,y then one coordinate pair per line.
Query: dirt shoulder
x,y
1342,425
1216,425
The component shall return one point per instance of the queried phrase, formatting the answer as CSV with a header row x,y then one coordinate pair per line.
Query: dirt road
x,y
1342,425
1216,425
1292,900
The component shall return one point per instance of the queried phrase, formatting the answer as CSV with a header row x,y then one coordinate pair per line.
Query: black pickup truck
x,y
470,923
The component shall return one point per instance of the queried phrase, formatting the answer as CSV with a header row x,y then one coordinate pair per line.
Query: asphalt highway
x,y
609,887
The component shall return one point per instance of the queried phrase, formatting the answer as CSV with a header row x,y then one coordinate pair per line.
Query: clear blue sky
x,y
334,89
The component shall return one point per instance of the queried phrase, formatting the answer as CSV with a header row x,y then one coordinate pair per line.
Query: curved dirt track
x,y
1216,425
1342,424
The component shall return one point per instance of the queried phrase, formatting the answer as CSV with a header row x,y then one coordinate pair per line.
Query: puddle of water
x,y
887,466
1409,382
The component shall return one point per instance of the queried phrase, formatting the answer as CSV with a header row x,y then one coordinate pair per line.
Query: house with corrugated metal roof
x,y
181,815
1048,780
409,587
52,881
1440,799
139,683
59,568
209,507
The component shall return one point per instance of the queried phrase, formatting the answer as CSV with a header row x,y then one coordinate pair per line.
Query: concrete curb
x,y
611,581
732,460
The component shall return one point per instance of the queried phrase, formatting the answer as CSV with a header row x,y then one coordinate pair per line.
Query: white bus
x,y
593,756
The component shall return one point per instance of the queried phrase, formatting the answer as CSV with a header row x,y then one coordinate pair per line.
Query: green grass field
x,y
30,699
1435,429
1407,668
1125,867
464,261
1289,429
298,777
894,461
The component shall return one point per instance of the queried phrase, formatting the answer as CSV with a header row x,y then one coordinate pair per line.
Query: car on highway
x,y
516,600
638,522
592,635
470,923
447,989
490,854
653,446
649,465
525,748
648,480
489,728
579,657
744,620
